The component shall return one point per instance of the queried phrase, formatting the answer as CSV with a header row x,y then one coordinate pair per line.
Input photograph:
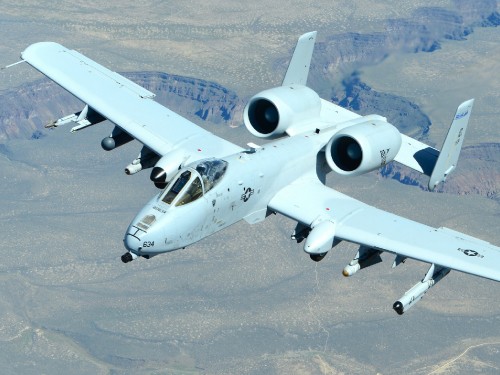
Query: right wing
x,y
311,203
125,103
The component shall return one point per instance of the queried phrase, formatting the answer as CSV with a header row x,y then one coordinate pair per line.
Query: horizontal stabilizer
x,y
417,155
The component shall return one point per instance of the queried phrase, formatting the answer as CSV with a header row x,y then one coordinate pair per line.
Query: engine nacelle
x,y
363,147
166,168
271,112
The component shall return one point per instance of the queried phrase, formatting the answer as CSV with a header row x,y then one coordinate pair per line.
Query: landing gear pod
x,y
320,240
317,257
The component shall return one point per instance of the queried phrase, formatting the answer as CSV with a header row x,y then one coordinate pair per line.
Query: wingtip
x,y
298,68
309,35
33,48
464,109
467,103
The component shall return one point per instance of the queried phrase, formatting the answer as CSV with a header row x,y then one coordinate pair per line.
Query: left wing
x,y
125,103
311,203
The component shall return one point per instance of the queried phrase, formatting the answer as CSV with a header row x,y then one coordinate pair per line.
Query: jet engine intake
x,y
363,147
272,112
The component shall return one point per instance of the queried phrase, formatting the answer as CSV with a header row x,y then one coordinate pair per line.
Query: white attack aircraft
x,y
209,183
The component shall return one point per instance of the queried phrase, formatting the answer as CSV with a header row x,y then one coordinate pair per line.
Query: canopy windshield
x,y
189,185
173,189
211,171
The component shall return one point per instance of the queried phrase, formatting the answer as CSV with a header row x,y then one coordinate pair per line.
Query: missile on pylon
x,y
415,294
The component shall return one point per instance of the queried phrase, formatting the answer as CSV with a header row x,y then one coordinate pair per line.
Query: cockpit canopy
x,y
211,171
194,181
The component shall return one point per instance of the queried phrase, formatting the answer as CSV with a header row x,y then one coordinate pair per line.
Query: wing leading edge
x,y
310,202
124,103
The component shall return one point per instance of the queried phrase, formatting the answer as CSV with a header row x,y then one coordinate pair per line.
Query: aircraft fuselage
x,y
252,178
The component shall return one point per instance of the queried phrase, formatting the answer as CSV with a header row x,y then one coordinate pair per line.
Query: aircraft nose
x,y
132,243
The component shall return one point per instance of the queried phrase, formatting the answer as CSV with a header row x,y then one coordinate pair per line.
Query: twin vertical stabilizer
x,y
448,156
414,154
434,163
298,69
